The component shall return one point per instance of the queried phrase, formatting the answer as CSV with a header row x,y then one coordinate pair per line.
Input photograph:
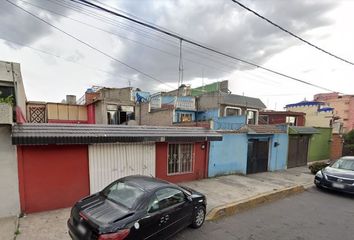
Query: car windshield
x,y
347,164
123,193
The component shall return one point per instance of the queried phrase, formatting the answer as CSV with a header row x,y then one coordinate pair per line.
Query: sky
x,y
54,64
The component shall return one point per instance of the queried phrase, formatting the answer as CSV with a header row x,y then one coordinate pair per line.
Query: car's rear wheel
x,y
199,217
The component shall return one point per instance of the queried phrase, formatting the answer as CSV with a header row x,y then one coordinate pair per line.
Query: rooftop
x,y
289,113
41,134
257,129
305,103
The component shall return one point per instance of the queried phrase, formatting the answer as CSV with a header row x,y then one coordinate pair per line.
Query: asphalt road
x,y
312,215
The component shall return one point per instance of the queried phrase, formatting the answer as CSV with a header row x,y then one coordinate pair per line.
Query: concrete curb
x,y
236,207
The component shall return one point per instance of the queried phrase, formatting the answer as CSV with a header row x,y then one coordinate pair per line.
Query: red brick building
x,y
282,117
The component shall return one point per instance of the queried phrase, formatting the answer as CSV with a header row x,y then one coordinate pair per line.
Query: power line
x,y
89,45
120,36
62,58
292,34
140,32
258,79
156,28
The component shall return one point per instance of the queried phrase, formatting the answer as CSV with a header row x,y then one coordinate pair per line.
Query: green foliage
x,y
348,150
349,137
317,166
9,100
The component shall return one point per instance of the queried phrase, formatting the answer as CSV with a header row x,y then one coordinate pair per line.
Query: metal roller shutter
x,y
108,162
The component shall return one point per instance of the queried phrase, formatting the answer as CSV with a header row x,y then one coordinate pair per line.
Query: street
x,y
312,215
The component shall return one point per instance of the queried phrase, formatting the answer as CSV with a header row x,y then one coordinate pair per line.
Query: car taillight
x,y
120,235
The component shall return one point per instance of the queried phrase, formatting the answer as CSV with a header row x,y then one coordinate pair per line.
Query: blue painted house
x,y
247,149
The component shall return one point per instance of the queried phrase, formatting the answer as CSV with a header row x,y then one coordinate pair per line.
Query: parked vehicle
x,y
338,176
137,207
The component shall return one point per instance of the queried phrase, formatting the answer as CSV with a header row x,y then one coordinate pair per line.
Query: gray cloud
x,y
222,25
20,27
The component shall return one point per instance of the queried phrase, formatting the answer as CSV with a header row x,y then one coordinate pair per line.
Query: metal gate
x,y
258,154
108,162
298,149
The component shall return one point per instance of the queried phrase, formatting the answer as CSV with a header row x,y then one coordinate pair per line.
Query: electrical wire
x,y
64,59
291,34
179,37
89,45
190,49
126,38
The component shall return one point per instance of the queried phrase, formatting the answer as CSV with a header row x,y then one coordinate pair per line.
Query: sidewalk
x,y
8,227
220,191
224,190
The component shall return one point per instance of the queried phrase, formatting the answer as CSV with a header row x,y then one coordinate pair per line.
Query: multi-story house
x,y
12,104
320,115
186,107
343,107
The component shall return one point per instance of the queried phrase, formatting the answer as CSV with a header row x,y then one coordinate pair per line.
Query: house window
x,y
232,111
291,120
119,114
180,158
112,114
185,117
252,116
263,119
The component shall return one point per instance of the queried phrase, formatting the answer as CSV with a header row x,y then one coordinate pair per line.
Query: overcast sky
x,y
54,65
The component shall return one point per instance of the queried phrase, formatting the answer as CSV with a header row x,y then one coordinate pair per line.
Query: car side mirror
x,y
190,199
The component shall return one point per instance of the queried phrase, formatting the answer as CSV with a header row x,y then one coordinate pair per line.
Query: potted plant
x,y
6,113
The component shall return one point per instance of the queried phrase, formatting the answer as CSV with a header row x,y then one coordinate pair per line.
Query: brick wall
x,y
336,146
163,117
203,124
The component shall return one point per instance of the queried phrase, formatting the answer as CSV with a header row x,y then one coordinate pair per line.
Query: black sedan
x,y
338,176
137,207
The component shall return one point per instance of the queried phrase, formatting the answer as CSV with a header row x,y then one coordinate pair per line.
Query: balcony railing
x,y
183,103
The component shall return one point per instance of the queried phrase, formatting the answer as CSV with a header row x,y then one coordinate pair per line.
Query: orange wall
x,y
199,165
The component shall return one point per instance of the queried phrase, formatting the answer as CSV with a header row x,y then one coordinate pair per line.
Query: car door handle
x,y
164,219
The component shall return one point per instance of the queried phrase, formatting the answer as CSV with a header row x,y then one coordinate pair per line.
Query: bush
x,y
317,166
348,150
349,137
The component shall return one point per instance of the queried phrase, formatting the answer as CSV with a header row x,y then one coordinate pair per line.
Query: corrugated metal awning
x,y
42,134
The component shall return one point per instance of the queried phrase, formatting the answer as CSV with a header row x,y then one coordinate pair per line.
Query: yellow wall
x,y
60,111
313,117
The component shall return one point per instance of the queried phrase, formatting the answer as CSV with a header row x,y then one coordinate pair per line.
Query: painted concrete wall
x,y
199,165
9,196
343,107
229,123
208,114
313,117
320,145
229,155
10,75
278,155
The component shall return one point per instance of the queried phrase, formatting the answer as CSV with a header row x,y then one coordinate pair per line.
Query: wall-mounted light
x,y
276,144
202,146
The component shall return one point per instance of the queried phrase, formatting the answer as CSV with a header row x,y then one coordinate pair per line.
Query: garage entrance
x,y
108,162
298,149
257,156
52,177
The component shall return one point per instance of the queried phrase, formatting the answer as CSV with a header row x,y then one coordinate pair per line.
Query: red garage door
x,y
52,177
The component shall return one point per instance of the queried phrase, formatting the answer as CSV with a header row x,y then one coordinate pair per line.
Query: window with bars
x,y
180,158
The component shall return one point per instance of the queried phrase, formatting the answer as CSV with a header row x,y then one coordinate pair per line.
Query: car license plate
x,y
338,185
81,229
